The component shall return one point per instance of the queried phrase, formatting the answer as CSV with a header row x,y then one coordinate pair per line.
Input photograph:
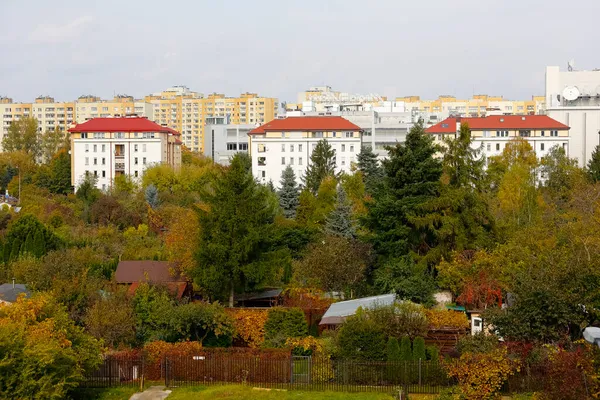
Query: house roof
x,y
121,124
498,122
337,312
321,123
9,293
145,270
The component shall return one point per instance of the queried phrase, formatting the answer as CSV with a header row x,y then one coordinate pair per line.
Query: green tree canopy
x,y
322,165
23,136
593,167
369,166
288,193
339,221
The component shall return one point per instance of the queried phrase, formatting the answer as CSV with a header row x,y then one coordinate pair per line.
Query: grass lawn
x,y
118,393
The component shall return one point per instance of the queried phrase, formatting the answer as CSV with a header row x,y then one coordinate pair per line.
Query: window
x,y
95,148
87,148
98,135
349,134
543,133
95,161
291,160
135,173
135,161
553,133
497,146
96,173
104,174
135,148
351,149
343,160
299,147
84,135
261,148
334,134
87,161
119,135
103,148
542,146
263,174
343,147
291,148
489,147
282,134
103,161
144,160
299,160
231,146
314,146
144,147
317,135
243,146
282,160
104,186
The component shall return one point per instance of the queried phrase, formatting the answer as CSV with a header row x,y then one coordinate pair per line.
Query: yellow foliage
x,y
446,318
249,325
322,370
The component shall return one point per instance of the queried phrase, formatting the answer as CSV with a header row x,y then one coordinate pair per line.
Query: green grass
x,y
118,393
248,393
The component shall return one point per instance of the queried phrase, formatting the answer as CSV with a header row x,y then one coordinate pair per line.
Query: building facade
x,y
491,134
88,107
224,139
291,141
110,147
478,106
573,98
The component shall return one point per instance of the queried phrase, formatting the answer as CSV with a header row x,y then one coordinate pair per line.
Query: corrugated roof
x,y
10,294
321,123
121,124
337,312
499,122
145,270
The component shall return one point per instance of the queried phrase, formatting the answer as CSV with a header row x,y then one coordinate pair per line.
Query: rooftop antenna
x,y
571,65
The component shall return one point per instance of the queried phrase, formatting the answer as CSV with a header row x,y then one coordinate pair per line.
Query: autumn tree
x,y
23,136
111,319
235,220
321,165
288,193
313,209
51,142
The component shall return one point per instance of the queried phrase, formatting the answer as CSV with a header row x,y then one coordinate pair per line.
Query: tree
x,y
207,323
339,221
593,167
60,173
283,323
419,349
51,142
29,248
322,165
235,218
111,319
560,173
369,166
288,193
392,350
23,136
408,279
151,196
400,319
88,193
360,338
412,177
405,349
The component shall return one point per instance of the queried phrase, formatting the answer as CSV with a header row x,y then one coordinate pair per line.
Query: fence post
x,y
109,371
420,371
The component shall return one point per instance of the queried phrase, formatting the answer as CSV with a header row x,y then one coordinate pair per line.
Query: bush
x,y
400,319
405,349
566,374
283,323
478,343
360,338
249,326
392,350
433,353
419,349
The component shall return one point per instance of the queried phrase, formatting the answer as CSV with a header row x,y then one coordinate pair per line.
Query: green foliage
x,y
153,308
339,221
405,349
399,319
392,350
52,142
419,349
560,172
313,210
409,280
23,136
151,196
433,353
322,165
284,323
112,320
360,338
203,322
28,232
478,343
236,220
124,185
288,193
370,168
593,167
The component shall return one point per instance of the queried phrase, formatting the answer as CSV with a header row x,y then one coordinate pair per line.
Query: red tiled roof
x,y
493,122
123,124
306,124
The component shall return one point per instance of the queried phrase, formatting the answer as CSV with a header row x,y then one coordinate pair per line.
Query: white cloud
x,y
57,33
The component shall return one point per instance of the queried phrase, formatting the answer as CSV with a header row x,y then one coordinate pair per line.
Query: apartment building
x,y
109,147
88,107
52,115
492,133
9,112
573,98
325,99
185,111
224,139
291,141
478,106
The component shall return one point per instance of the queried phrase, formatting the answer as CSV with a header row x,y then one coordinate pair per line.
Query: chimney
x,y
13,282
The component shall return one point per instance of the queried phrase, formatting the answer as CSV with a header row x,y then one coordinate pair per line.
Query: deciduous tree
x,y
23,136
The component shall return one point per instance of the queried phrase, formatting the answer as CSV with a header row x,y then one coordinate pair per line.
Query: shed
x,y
337,312
10,291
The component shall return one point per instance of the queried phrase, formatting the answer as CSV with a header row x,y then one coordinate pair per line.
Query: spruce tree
x,y
322,164
289,193
339,221
29,244
405,350
39,244
151,196
593,166
419,349
369,166
271,186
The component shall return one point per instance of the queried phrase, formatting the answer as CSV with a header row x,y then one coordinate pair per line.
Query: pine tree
x,y
339,221
419,349
39,244
369,166
405,350
594,165
289,193
151,196
322,164
29,244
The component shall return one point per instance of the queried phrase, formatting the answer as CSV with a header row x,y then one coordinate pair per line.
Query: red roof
x,y
306,124
121,124
498,122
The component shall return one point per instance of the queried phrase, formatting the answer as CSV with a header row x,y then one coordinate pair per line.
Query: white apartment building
x,y
223,139
573,98
492,133
88,107
291,140
109,147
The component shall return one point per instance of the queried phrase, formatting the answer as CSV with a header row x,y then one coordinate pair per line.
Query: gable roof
x,y
121,124
337,312
10,294
145,270
321,123
499,122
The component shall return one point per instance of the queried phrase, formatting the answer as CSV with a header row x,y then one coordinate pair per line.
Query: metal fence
x,y
116,371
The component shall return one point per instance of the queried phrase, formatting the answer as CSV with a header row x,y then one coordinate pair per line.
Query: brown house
x,y
158,273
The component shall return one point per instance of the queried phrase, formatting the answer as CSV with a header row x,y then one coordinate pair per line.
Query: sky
x,y
65,48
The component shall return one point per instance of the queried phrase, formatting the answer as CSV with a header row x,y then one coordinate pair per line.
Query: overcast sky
x,y
67,48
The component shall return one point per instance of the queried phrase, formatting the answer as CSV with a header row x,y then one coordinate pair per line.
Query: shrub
x,y
419,349
249,325
392,350
405,349
438,319
433,353
283,323
478,343
400,319
360,338
566,374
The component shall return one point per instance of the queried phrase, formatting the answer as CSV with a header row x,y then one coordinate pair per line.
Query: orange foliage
x,y
438,319
182,229
249,325
306,298
480,292
155,221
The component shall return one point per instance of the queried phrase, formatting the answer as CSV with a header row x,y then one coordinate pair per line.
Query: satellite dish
x,y
571,65
570,93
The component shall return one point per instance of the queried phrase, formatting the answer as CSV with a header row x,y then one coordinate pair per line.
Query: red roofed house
x,y
133,273
493,132
290,141
109,147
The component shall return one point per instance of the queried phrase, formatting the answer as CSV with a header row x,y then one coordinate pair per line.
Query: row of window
x,y
119,135
103,161
237,146
136,148
498,146
103,174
